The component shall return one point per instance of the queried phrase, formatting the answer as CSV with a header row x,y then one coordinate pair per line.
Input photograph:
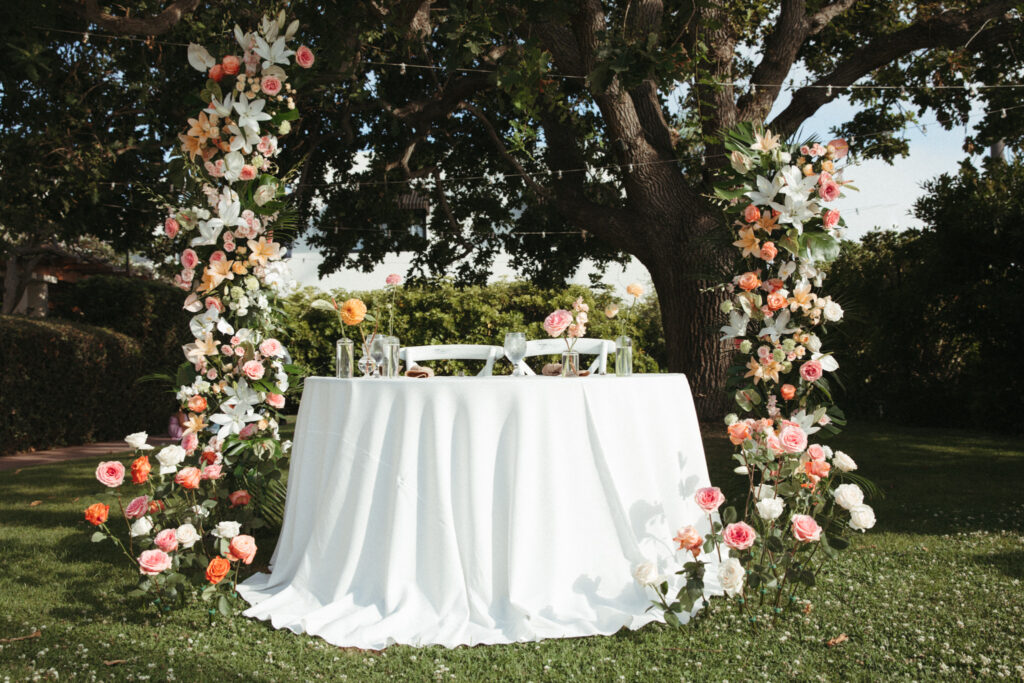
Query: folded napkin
x,y
419,371
552,369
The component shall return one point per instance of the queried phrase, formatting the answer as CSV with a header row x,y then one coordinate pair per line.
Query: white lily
x,y
245,40
737,326
250,113
199,58
229,211
777,327
292,28
243,139
276,53
209,232
797,185
196,352
232,418
242,394
766,190
221,108
203,324
796,210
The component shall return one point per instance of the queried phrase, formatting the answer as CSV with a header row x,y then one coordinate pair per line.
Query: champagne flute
x,y
515,350
377,352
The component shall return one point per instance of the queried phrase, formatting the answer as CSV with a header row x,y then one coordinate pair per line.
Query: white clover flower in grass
x,y
138,441
848,496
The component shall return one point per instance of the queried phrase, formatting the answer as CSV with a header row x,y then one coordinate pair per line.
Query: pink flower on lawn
x,y
709,498
171,227
153,562
110,473
556,323
137,508
253,369
739,536
167,540
271,85
393,279
811,371
275,400
805,529
793,439
271,347
304,57
831,218
189,259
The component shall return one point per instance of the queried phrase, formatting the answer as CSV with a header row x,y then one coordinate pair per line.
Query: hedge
x,y
65,383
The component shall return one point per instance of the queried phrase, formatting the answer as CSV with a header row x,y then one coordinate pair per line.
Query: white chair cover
x,y
412,355
585,346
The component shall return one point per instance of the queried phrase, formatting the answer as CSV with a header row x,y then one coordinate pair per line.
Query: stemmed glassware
x,y
515,350
378,349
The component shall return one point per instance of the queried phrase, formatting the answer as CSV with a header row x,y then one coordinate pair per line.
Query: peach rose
x,y
187,477
242,548
739,432
635,289
239,498
253,369
788,391
769,251
777,300
815,452
751,213
167,540
110,473
831,218
805,529
97,513
709,498
749,281
216,72
152,562
739,536
270,85
690,539
231,64
353,311
304,57
793,439
217,570
811,371
557,322
137,508
275,401
171,227
816,469
197,404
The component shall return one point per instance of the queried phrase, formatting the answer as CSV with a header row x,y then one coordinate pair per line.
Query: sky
x,y
886,197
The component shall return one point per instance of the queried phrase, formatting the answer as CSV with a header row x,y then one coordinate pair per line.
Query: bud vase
x,y
570,364
623,356
344,358
391,359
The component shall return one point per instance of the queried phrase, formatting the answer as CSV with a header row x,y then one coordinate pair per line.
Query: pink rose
x,y
393,279
171,227
167,540
828,189
214,302
709,498
304,57
739,536
831,218
271,85
275,401
189,259
805,529
231,64
253,369
211,472
816,452
556,323
271,347
248,172
793,439
215,169
217,256
811,371
247,431
152,562
239,498
242,548
774,444
189,442
137,508
110,473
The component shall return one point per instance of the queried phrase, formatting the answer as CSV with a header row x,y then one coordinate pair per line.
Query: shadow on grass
x,y
1010,563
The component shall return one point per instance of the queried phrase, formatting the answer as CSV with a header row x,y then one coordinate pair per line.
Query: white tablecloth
x,y
466,510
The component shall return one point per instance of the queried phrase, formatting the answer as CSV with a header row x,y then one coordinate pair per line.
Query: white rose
x,y
265,193
762,491
814,343
848,496
187,535
842,462
833,311
730,575
227,530
770,508
862,517
169,458
141,527
138,441
646,574
199,511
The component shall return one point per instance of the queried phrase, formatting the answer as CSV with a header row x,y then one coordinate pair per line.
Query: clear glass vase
x,y
391,359
570,364
344,358
623,356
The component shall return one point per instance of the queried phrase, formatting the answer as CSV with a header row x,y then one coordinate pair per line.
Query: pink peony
x,y
816,452
171,227
304,57
167,540
271,347
189,259
110,473
805,529
709,498
793,439
393,279
242,548
275,401
556,323
152,562
831,218
253,369
270,85
739,536
811,371
189,442
137,508
211,472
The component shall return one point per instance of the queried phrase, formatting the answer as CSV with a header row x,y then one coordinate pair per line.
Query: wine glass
x,y
377,352
515,350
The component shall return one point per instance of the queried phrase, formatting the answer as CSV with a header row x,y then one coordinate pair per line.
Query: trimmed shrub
x,y
66,383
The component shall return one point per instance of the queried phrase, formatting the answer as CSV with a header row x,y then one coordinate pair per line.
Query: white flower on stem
x,y
862,518
227,530
169,458
833,312
186,535
245,40
141,526
209,233
731,575
797,185
842,462
203,324
138,441
221,108
250,113
198,351
232,418
242,394
272,53
796,211
787,269
777,327
229,211
770,508
242,140
766,190
233,163
737,326
848,496
200,58
646,574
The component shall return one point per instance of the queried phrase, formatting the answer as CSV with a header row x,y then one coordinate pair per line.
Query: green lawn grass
x,y
934,591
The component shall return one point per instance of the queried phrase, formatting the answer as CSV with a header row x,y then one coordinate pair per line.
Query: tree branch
x,y
422,112
780,51
504,153
824,16
146,26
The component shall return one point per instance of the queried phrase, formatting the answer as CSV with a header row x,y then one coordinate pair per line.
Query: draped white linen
x,y
460,510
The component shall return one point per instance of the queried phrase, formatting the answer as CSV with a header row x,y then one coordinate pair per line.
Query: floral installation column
x,y
189,507
803,499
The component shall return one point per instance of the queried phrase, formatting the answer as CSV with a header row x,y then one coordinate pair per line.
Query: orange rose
x,y
156,506
816,469
751,214
217,570
777,300
739,432
197,404
97,513
243,548
749,281
140,469
768,251
788,391
188,477
353,311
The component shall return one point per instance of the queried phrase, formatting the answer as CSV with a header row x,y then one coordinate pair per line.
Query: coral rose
x,y
831,218
248,172
777,300
97,513
749,281
197,404
353,311
239,498
243,548
709,498
218,568
156,506
557,322
231,64
304,57
739,536
788,391
690,539
167,540
751,213
270,85
253,369
110,473
216,72
805,529
152,562
188,477
635,289
811,371
794,439
816,469
137,508
769,251
140,469
275,401
739,432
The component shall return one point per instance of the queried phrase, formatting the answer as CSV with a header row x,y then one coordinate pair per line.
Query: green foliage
x,y
441,313
67,383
